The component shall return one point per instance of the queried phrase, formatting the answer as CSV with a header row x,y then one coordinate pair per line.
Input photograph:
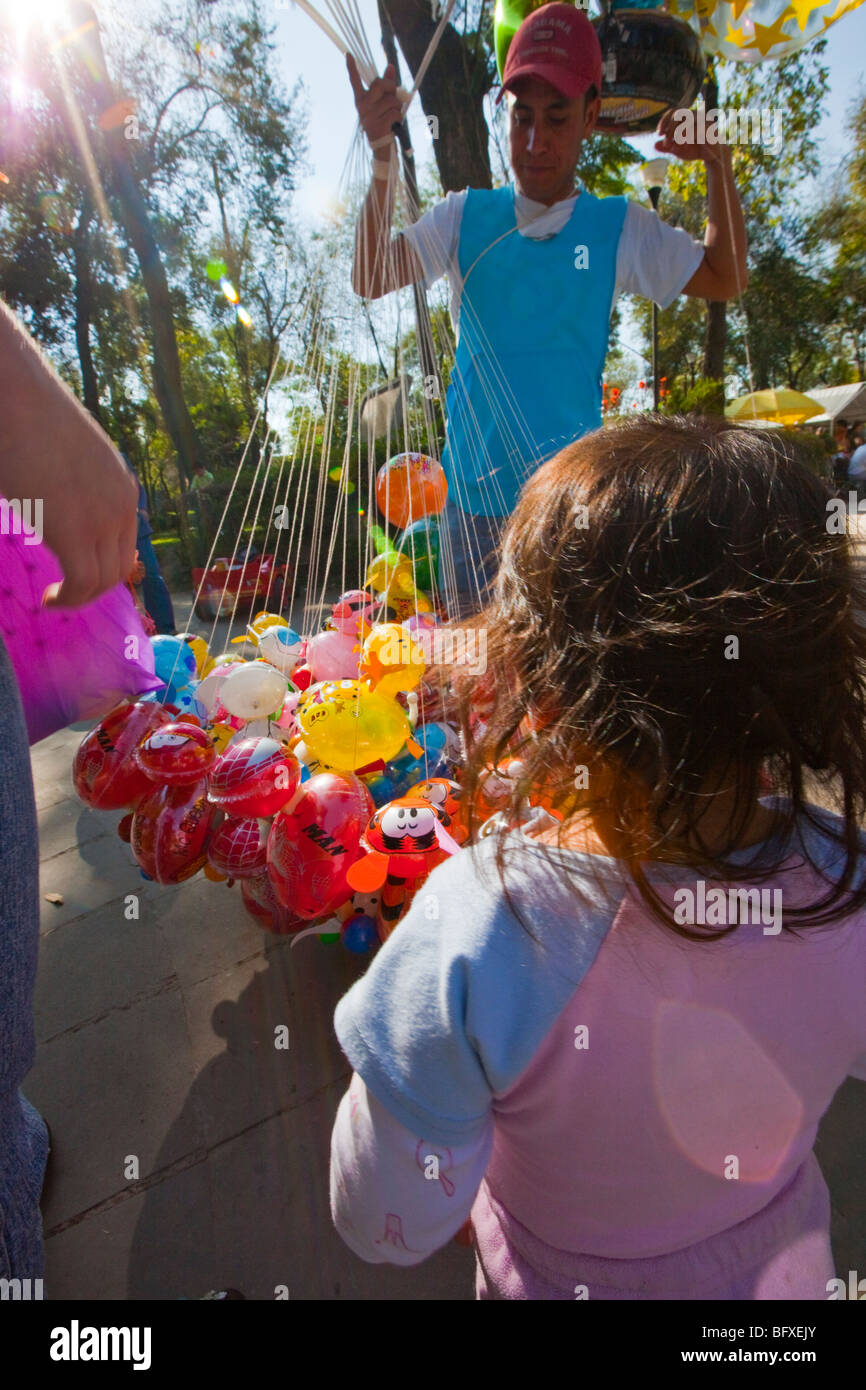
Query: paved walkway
x,y
156,1056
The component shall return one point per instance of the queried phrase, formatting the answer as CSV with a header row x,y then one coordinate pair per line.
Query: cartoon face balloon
x,y
404,838
176,754
410,486
105,772
391,659
281,647
347,726
446,796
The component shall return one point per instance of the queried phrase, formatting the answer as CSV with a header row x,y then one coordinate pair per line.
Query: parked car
x,y
227,586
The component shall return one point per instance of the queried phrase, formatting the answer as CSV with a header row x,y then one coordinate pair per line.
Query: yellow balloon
x,y
347,725
391,660
221,735
259,624
198,646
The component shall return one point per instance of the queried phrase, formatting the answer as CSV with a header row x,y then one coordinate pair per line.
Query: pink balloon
x,y
331,656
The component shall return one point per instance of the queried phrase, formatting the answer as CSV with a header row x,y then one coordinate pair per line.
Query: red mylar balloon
x,y
255,777
262,903
311,847
239,847
177,754
105,772
170,831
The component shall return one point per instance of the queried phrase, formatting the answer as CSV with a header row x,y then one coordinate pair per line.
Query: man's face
x,y
546,132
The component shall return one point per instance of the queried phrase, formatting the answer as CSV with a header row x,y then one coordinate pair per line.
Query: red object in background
x,y
302,677
105,772
224,586
239,848
254,777
262,903
176,754
311,847
170,831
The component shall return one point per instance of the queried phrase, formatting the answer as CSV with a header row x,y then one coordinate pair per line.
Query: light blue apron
x,y
533,335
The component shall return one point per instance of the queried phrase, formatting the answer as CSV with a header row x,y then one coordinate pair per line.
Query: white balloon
x,y
209,689
277,651
253,691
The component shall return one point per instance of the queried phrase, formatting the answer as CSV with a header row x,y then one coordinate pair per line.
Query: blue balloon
x,y
360,935
381,788
174,660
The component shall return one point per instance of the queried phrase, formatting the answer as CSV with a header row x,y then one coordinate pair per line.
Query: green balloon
x,y
420,543
216,270
507,19
330,938
383,543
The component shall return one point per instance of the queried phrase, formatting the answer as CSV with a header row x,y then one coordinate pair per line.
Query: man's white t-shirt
x,y
653,259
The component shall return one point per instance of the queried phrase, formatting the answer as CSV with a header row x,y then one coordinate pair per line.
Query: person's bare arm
x,y
722,274
381,264
53,452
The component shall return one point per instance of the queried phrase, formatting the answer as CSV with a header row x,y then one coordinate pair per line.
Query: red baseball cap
x,y
559,45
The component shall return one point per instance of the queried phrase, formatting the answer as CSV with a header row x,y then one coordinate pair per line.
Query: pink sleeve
x,y
396,1196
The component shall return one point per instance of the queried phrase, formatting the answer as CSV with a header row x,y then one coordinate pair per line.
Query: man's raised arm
x,y
381,264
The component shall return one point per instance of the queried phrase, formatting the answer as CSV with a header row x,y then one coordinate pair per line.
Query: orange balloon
x,y
409,487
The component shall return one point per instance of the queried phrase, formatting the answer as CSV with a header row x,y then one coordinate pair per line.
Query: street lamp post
x,y
653,174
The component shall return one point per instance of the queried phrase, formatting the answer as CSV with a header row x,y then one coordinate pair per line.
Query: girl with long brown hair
x,y
610,1031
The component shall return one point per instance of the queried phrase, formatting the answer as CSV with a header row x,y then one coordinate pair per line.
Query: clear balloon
x,y
257,689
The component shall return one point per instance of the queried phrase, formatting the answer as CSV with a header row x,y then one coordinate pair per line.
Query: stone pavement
x,y
156,1044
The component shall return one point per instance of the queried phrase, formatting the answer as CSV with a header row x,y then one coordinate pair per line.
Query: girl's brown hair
x,y
673,605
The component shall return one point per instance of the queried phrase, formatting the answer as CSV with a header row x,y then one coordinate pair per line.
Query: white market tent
x,y
846,403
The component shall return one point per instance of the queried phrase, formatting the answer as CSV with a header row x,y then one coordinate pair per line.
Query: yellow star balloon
x,y
756,31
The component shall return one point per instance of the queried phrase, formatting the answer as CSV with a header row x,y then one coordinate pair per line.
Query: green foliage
x,y
704,397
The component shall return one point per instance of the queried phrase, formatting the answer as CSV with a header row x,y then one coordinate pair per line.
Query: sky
x,y
304,51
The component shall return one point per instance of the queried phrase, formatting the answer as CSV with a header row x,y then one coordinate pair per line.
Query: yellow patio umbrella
x,y
781,407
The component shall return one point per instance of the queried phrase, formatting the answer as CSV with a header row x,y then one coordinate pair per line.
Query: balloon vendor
x,y
535,269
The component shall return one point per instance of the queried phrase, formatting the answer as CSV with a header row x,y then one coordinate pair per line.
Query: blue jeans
x,y
468,559
23,1136
154,590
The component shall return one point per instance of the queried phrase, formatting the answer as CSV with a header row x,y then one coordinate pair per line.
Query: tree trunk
x,y
452,93
715,340
167,382
84,310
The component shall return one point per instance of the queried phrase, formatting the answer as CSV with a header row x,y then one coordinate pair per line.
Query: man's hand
x,y
378,105
52,451
687,149
722,274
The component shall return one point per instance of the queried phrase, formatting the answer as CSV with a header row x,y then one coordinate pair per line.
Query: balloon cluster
x,y
305,774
